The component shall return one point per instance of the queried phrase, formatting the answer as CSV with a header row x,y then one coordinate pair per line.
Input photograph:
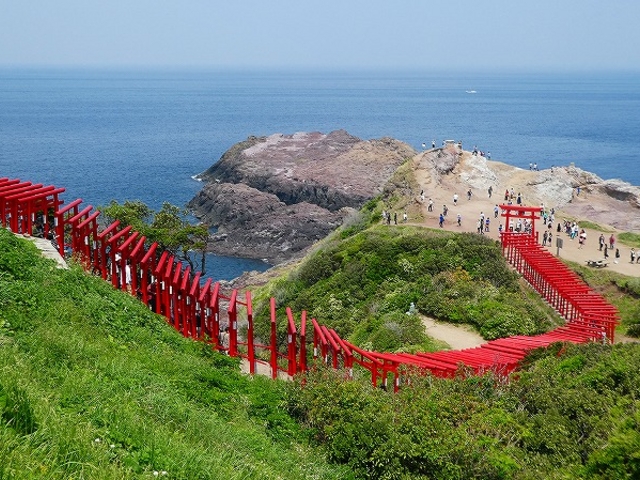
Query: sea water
x,y
143,135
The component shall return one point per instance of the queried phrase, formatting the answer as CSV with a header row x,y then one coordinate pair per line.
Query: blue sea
x,y
128,135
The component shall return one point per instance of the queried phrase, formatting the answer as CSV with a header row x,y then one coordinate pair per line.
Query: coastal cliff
x,y
272,197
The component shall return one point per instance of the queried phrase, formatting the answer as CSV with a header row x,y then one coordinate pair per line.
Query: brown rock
x,y
272,197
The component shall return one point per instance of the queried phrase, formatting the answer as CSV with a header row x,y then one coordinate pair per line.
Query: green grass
x,y
621,291
363,284
593,226
630,239
95,386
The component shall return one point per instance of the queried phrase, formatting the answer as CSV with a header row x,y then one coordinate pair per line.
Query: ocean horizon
x,y
127,134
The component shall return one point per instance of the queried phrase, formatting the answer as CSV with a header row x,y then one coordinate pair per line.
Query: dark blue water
x,y
142,135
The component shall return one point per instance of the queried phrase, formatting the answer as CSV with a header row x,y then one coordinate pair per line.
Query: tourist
x,y
459,220
582,239
430,207
395,218
601,242
455,199
495,211
544,239
490,191
404,217
633,254
612,241
469,194
441,220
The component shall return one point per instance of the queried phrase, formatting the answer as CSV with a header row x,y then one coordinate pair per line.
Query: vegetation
x,y
363,285
630,239
620,290
574,412
593,226
170,227
94,385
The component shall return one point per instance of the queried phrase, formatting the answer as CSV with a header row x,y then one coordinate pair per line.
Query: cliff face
x,y
272,197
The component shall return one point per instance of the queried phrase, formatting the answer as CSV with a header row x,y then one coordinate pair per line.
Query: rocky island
x,y
272,197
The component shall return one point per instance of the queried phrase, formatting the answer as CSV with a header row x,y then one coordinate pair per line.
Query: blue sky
x,y
410,34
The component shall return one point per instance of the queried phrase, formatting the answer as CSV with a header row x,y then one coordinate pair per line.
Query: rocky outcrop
x,y
605,202
272,197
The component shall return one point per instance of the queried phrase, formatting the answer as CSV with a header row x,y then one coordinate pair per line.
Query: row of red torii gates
x,y
200,310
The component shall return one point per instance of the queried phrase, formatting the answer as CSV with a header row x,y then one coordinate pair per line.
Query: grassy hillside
x,y
364,281
93,385
572,413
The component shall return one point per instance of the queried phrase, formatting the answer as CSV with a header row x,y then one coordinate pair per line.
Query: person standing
x,y
455,199
395,218
601,241
469,194
490,190
582,238
633,254
441,221
612,241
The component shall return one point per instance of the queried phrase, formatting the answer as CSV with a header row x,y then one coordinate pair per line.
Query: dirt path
x,y
457,337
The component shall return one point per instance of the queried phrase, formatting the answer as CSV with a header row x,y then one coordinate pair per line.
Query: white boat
x,y
471,91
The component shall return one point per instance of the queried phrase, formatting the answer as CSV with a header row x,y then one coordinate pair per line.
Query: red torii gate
x,y
519,212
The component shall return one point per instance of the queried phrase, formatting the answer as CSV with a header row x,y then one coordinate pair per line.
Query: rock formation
x,y
272,197
605,202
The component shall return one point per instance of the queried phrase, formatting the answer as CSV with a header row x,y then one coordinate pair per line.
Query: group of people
x,y
510,196
387,217
475,152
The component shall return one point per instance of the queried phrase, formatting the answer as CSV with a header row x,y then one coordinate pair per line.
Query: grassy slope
x,y
363,282
93,385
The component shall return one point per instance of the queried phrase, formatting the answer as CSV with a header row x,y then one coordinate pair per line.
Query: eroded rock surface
x,y
272,197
